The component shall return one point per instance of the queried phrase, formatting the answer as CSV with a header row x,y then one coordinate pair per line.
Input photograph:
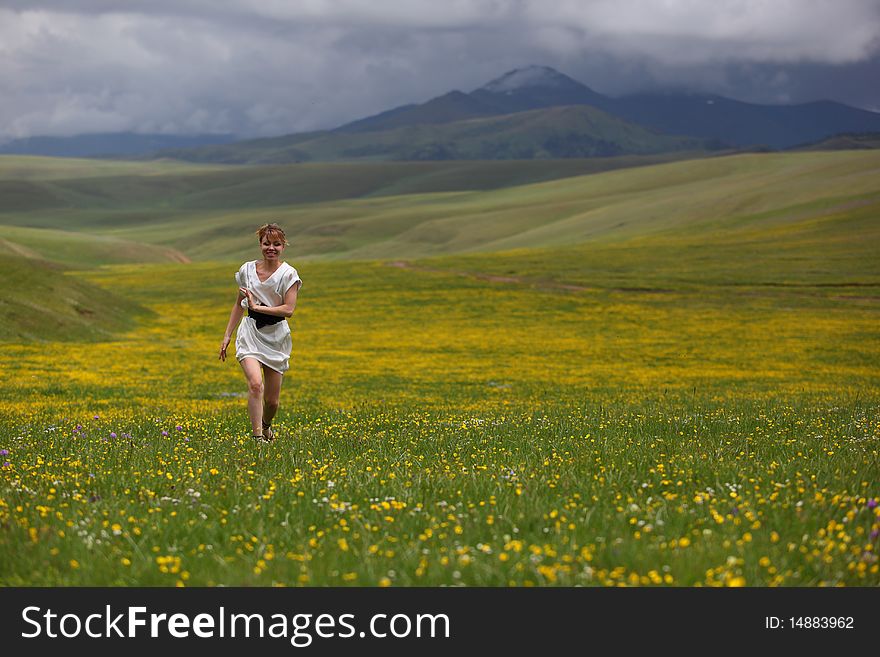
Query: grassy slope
x,y
81,249
185,206
710,199
40,301
703,199
44,184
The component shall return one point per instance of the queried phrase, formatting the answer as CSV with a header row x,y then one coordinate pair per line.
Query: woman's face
x,y
272,247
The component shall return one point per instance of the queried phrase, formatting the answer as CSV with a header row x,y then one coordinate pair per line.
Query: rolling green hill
x,y
41,302
556,132
37,187
77,249
698,198
383,210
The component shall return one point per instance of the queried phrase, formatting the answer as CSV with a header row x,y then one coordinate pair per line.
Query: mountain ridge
x,y
686,113
718,121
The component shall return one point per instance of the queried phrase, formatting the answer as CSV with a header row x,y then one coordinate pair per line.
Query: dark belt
x,y
262,319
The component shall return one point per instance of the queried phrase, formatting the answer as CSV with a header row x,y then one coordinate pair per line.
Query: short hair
x,y
272,230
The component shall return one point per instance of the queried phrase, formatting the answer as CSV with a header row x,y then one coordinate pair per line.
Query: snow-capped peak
x,y
530,76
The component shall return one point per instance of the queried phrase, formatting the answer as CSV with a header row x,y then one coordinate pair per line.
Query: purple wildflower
x,y
4,452
872,503
113,434
179,428
164,433
6,464
97,417
79,427
875,534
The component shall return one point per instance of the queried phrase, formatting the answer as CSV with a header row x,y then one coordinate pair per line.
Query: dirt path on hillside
x,y
17,249
178,256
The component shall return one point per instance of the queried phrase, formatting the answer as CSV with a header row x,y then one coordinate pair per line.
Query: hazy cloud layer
x,y
264,67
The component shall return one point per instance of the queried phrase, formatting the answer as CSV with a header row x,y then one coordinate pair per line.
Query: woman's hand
x,y
247,295
223,346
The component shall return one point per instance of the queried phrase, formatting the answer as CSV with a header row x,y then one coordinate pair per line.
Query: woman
x,y
267,289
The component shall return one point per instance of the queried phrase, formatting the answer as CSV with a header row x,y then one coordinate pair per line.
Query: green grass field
x,y
690,398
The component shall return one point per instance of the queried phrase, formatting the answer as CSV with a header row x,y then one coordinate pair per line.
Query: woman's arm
x,y
284,310
234,318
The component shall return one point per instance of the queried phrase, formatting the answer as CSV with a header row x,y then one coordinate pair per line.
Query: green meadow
x,y
621,372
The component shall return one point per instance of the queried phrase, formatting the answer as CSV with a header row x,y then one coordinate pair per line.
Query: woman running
x,y
267,290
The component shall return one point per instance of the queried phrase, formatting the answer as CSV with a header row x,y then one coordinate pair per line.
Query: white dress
x,y
271,344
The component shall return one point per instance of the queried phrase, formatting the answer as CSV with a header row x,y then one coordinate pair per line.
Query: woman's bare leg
x,y
271,393
252,373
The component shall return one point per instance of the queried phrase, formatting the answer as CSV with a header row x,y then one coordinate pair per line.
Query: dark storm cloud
x,y
271,66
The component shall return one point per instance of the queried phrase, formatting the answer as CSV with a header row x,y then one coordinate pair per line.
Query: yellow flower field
x,y
441,428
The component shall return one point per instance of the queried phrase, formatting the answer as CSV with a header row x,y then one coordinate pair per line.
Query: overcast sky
x,y
269,67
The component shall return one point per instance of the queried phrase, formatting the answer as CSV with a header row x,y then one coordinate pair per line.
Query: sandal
x,y
268,434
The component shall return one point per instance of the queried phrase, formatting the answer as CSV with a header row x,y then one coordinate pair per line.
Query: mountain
x,y
743,124
531,112
520,90
553,132
109,144
454,106
712,117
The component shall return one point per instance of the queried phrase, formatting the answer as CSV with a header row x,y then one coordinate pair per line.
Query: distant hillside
x,y
40,302
555,132
116,144
46,192
75,211
844,142
743,124
405,210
